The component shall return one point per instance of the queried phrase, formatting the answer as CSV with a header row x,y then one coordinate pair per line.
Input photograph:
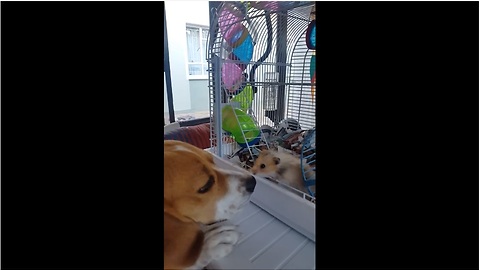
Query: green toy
x,y
245,98
245,123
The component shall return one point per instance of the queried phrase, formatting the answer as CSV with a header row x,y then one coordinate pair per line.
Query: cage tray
x,y
277,229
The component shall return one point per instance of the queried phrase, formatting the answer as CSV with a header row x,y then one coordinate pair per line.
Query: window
x,y
189,105
197,46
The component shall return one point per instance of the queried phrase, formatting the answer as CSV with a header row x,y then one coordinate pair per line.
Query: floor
x,y
186,115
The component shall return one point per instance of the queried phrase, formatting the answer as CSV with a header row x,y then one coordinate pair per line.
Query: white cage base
x,y
277,227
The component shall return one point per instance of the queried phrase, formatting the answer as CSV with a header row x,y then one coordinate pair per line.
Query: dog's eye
x,y
207,186
262,166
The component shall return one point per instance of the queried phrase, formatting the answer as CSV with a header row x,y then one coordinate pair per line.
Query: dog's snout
x,y
250,184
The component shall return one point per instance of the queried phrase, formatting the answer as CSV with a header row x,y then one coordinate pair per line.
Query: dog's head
x,y
196,189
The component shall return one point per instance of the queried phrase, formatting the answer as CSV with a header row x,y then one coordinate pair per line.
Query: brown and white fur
x,y
197,193
283,167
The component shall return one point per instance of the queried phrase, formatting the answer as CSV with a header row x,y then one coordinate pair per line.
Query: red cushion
x,y
198,135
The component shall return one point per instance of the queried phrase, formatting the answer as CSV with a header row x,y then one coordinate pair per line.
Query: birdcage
x,y
261,59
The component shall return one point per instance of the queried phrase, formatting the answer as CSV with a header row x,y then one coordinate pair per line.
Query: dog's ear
x,y
206,155
182,242
170,146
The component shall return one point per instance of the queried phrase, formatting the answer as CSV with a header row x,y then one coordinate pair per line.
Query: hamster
x,y
282,167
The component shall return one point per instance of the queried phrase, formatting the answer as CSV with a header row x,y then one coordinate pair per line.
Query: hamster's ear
x,y
182,243
264,152
276,160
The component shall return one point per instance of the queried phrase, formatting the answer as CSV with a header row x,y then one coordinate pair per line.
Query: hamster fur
x,y
282,167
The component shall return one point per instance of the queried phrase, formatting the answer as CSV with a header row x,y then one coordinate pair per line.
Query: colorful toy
x,y
243,47
239,39
311,35
245,98
232,76
239,36
244,128
230,25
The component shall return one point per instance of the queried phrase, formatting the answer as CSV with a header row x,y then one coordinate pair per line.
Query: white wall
x,y
178,14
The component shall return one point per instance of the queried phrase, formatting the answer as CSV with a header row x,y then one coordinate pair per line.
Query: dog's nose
x,y
250,185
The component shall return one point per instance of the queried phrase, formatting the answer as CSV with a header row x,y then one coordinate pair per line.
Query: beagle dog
x,y
198,197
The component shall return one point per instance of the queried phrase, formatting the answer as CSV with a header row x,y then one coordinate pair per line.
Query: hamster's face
x,y
265,165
